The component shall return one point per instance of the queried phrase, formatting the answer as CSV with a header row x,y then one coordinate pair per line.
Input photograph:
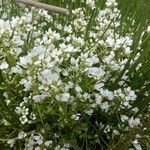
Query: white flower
x,y
37,50
110,95
38,139
37,98
128,40
68,29
98,86
25,111
78,89
4,25
127,50
65,72
90,3
76,117
116,132
5,94
124,118
57,147
47,77
137,145
130,94
23,119
37,148
133,122
63,97
27,83
64,148
138,136
106,93
70,49
18,110
98,99
73,61
22,135
5,122
110,41
92,60
126,103
16,69
32,116
4,65
47,143
148,29
105,106
11,142
7,102
23,61
27,19
80,24
96,71
110,3
17,40
89,112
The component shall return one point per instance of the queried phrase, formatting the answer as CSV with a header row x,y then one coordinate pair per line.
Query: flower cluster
x,y
61,79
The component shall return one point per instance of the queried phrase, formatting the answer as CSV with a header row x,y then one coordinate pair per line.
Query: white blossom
x,y
38,139
76,117
105,106
47,143
96,71
63,97
22,135
124,118
148,29
78,89
133,122
4,65
137,145
89,112
11,142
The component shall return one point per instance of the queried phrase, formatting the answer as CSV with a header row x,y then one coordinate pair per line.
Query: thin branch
x,y
47,7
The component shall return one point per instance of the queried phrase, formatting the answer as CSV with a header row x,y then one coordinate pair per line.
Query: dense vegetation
x,y
80,81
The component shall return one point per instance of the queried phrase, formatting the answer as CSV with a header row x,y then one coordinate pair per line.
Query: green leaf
x,y
10,59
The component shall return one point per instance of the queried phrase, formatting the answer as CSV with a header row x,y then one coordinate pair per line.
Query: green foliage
x,y
96,126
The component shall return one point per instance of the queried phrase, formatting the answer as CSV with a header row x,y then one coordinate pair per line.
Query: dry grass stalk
x,y
47,7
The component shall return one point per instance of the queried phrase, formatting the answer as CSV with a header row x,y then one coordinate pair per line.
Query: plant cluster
x,y
79,83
